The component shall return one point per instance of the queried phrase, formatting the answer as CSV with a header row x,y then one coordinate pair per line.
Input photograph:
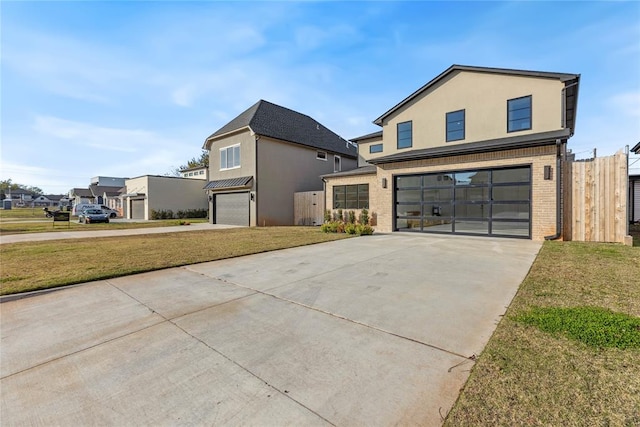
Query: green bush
x,y
351,217
364,230
364,217
350,228
327,215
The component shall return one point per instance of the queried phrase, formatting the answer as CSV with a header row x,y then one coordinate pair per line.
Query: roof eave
x,y
211,138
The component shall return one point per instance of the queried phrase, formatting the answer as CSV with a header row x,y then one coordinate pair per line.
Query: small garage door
x,y
232,209
137,209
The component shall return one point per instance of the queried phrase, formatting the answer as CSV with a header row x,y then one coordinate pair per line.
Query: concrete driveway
x,y
374,330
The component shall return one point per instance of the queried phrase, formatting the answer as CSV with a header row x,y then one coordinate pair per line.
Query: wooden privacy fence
x,y
308,208
596,204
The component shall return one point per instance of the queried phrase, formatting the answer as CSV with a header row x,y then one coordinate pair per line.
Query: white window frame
x,y
321,155
225,150
337,161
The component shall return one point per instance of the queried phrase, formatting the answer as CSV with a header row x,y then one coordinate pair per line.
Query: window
x,y
351,196
519,114
405,138
337,166
321,155
230,157
375,148
201,172
455,125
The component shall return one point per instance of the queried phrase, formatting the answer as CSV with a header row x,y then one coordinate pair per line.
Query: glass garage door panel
x,y
486,202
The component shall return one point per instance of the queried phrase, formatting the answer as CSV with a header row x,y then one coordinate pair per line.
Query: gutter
x,y
558,191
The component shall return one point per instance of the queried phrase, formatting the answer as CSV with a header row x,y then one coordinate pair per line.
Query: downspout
x,y
558,193
324,199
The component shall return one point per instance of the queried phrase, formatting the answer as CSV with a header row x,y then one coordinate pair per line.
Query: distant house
x,y
634,192
147,193
200,172
19,197
474,151
56,200
262,157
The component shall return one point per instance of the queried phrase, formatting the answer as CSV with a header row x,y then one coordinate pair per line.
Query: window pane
x,y
455,135
223,159
375,148
236,156
408,181
339,195
351,197
472,178
510,228
474,227
408,224
408,210
469,194
438,210
404,135
438,180
519,114
519,103
363,196
472,210
455,116
437,194
523,124
511,175
511,192
443,225
511,211
409,196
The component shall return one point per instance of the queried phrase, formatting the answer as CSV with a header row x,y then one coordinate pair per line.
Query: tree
x,y
8,184
203,160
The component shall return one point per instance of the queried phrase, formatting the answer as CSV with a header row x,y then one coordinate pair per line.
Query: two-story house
x,y
474,151
262,157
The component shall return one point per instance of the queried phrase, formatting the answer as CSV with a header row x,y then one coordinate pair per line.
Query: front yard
x,y
526,376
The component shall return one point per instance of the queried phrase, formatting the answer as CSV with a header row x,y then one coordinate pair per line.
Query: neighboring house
x,y
634,192
262,157
199,172
19,197
57,200
161,193
474,151
108,181
81,195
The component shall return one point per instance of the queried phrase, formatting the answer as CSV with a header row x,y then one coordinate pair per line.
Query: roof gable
x,y
570,80
267,119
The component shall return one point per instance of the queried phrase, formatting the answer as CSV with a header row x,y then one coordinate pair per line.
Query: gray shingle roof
x,y
228,183
377,134
271,120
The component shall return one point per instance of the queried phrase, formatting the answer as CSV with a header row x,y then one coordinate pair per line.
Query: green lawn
x,y
39,265
567,353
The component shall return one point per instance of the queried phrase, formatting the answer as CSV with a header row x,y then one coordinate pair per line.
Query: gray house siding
x,y
284,169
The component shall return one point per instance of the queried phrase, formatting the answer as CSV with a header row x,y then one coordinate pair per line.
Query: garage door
x,y
492,202
137,209
232,209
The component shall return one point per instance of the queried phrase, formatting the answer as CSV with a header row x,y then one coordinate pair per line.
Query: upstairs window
x,y
321,155
405,135
230,157
375,148
455,125
337,163
519,114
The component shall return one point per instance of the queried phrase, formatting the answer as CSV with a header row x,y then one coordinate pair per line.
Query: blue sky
x,y
132,88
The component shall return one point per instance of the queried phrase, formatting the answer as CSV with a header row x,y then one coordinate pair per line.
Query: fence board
x,y
308,208
598,197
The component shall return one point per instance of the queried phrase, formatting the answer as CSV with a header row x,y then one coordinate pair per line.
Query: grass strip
x,y
31,266
526,376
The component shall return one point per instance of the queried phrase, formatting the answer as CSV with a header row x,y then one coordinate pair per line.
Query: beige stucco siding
x,y
246,140
363,150
167,193
284,169
484,97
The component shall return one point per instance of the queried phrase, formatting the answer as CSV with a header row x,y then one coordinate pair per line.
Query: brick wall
x,y
543,215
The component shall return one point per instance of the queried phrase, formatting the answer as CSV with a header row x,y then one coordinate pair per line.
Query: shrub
x,y
340,216
364,217
352,217
350,228
327,215
330,227
364,230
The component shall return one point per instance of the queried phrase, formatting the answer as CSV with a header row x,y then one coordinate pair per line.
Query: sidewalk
x,y
58,235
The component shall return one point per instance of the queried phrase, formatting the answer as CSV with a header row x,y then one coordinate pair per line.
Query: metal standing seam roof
x,y
267,119
362,170
567,78
228,183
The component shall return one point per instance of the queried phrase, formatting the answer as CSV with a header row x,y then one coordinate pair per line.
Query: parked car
x,y
106,209
93,215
